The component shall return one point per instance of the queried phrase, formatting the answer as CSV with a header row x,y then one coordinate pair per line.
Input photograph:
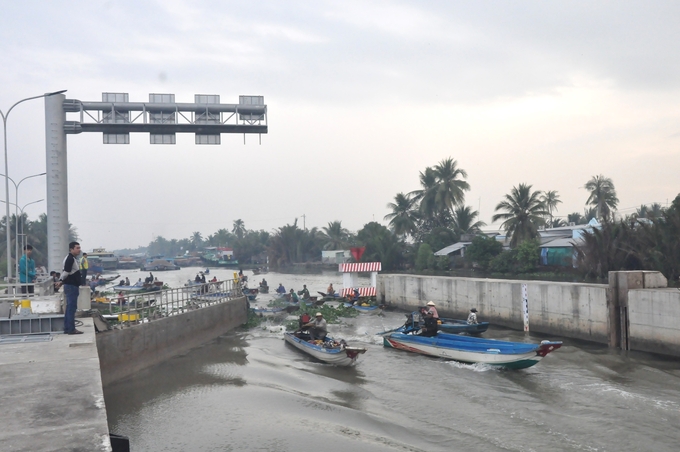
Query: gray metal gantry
x,y
116,117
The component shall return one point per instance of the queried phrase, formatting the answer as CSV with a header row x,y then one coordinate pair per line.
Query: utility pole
x,y
304,222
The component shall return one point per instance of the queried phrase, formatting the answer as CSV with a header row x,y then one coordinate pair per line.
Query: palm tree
x,y
641,212
239,228
426,196
524,212
589,214
551,199
196,239
335,236
602,195
464,220
404,217
557,223
450,186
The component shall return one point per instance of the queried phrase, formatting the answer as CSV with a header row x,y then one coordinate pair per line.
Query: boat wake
x,y
476,367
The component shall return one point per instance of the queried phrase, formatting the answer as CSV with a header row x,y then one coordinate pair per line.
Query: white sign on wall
x,y
525,306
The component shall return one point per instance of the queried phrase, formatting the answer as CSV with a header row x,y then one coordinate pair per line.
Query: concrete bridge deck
x,y
52,396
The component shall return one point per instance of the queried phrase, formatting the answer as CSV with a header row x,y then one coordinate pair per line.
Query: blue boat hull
x,y
472,350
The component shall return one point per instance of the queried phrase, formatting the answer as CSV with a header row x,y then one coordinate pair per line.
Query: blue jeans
x,y
71,292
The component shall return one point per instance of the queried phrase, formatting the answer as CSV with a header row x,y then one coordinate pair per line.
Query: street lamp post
x,y
16,236
7,203
16,216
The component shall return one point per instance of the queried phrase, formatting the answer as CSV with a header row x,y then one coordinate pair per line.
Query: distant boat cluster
x,y
101,260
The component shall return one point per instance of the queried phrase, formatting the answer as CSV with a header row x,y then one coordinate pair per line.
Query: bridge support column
x,y
57,182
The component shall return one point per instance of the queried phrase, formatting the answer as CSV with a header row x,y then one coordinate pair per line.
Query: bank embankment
x,y
123,352
635,311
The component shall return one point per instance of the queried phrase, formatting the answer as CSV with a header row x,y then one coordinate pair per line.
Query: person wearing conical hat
x,y
431,308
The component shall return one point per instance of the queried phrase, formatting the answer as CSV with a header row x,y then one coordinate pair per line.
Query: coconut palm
x,y
602,195
524,212
335,236
464,220
450,186
427,195
239,228
196,239
404,216
551,199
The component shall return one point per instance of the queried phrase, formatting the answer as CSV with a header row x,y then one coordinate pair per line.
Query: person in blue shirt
x,y
281,289
27,270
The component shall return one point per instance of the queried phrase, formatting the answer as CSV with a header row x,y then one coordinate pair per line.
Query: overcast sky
x,y
361,96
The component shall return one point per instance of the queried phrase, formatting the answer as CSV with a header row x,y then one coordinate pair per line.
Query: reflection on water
x,y
250,391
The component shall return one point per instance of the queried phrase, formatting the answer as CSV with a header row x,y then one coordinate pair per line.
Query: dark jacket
x,y
70,274
430,327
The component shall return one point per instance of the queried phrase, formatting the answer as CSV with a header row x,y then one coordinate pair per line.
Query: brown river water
x,y
250,391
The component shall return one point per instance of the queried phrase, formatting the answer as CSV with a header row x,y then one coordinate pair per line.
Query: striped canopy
x,y
363,291
357,267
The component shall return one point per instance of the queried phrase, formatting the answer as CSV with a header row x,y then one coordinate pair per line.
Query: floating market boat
x,y
330,351
455,326
139,287
451,326
365,309
468,349
268,312
250,293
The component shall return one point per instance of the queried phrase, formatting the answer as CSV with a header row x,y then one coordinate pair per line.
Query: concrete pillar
x,y
84,300
620,283
57,182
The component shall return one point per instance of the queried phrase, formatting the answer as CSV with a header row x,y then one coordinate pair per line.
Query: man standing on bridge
x,y
71,280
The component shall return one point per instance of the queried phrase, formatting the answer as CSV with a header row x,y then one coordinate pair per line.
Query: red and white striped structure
x,y
363,291
360,267
350,277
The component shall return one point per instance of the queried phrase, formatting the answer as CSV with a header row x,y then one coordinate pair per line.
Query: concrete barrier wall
x,y
564,309
124,352
654,320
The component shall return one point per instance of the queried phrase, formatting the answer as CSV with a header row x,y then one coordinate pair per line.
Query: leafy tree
x,y
425,258
482,250
608,248
404,217
524,212
381,245
440,238
528,254
576,218
602,195
290,244
505,262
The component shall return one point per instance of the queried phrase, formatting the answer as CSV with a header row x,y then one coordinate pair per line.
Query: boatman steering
x,y
430,326
317,327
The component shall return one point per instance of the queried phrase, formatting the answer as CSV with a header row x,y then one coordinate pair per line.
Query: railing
x,y
142,307
42,287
